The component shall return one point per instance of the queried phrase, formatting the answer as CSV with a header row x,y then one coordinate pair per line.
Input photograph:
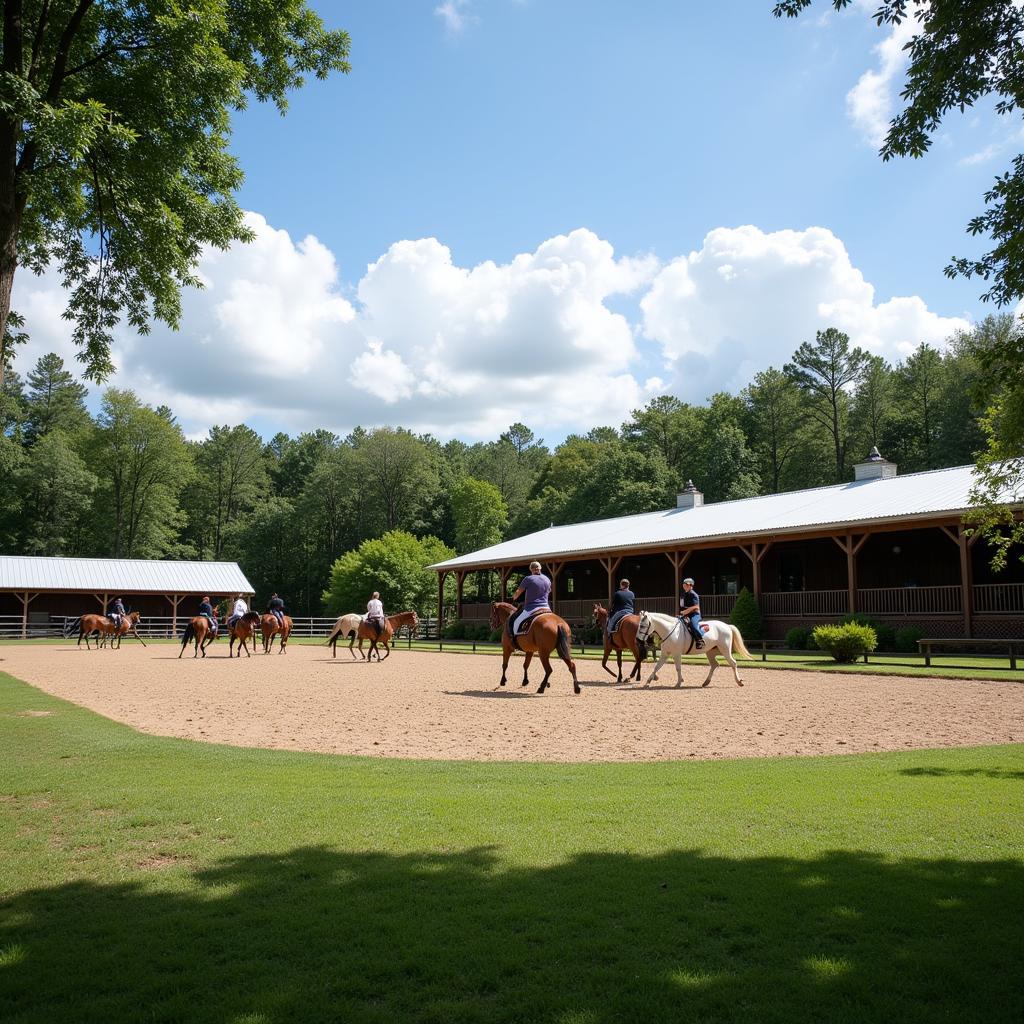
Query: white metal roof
x,y
121,575
930,494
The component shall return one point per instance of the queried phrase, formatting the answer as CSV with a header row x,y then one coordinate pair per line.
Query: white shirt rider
x,y
240,609
374,609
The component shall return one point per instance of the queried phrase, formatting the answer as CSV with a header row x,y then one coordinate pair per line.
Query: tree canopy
x,y
114,160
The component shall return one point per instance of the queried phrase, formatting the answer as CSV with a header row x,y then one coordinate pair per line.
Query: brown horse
x,y
270,628
392,624
198,630
623,639
548,632
243,630
104,627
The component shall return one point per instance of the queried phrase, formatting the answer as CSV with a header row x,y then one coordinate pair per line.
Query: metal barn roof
x,y
859,503
121,575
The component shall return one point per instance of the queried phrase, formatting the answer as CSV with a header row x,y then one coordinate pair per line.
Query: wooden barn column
x,y
678,560
610,563
460,579
175,601
851,547
756,552
503,573
26,599
555,568
959,537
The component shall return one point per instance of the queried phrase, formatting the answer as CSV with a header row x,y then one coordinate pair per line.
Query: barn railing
x,y
999,598
910,600
804,603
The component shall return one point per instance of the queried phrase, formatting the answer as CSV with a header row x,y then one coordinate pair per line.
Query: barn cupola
x,y
689,496
874,467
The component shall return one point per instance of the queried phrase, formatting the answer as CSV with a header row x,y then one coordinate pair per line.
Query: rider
x,y
689,605
115,611
206,610
276,608
536,588
239,609
375,613
623,603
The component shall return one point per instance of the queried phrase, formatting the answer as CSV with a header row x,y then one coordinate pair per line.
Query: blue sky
x,y
637,197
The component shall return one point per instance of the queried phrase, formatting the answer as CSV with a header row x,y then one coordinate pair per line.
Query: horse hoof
x,y
739,682
707,682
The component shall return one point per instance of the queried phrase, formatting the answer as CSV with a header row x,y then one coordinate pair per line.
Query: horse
x,y
198,630
242,631
624,638
270,627
719,638
392,624
104,627
548,632
347,625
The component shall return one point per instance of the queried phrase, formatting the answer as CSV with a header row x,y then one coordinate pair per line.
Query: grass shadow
x,y
314,934
987,773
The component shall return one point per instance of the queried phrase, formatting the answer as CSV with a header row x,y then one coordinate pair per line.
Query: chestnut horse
x,y
392,624
198,630
270,627
624,638
243,630
548,632
104,627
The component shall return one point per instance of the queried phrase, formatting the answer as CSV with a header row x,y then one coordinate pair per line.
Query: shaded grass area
x,y
162,880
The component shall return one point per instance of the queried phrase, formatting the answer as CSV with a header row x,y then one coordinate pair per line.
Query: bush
x,y
886,637
812,644
746,617
796,638
906,639
847,642
495,634
455,631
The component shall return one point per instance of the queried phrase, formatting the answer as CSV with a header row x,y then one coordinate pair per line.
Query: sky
x,y
552,211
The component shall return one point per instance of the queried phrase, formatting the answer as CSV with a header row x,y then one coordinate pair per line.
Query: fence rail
x,y
999,598
910,601
805,603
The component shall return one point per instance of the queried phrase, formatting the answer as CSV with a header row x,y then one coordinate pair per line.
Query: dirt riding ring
x,y
446,706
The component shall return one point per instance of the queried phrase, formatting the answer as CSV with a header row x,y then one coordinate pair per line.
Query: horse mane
x,y
402,618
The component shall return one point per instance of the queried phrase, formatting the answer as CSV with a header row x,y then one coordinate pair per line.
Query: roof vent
x,y
689,496
874,467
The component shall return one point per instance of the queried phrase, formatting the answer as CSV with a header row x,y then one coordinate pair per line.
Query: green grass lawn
x,y
147,879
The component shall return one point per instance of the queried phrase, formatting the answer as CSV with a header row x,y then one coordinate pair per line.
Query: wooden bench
x,y
925,646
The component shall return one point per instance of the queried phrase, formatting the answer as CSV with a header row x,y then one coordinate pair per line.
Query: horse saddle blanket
x,y
524,626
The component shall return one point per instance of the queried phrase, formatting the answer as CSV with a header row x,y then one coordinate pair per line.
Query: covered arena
x,y
37,593
445,707
895,548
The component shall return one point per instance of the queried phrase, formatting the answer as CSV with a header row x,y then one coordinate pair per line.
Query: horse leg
x,y
526,666
679,670
635,673
506,653
387,648
545,660
563,645
607,654
618,661
658,665
713,664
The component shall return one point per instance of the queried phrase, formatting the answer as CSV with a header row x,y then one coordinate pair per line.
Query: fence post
x,y
764,650
1013,657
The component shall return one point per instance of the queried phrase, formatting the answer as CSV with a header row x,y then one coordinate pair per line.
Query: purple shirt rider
x,y
537,591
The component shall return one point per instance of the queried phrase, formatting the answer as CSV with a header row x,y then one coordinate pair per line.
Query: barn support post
x,y
678,560
555,568
851,547
175,601
958,536
441,573
26,599
503,573
610,563
460,579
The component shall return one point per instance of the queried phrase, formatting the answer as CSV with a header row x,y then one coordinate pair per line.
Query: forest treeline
x,y
127,483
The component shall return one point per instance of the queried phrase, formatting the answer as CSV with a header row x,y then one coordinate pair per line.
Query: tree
x,y
114,144
142,462
823,372
399,471
921,383
776,420
56,496
512,463
480,514
396,565
11,458
661,424
873,402
961,53
55,400
268,543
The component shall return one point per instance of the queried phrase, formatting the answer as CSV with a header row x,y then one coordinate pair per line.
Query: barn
x,y
894,547
36,592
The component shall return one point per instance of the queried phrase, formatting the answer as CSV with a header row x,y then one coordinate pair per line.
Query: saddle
x,y
524,627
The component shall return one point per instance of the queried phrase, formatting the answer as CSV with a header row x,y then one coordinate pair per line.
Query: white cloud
x,y
277,339
870,103
455,14
747,298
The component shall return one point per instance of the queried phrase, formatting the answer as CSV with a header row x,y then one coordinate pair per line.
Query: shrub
x,y
846,642
812,644
455,631
796,638
906,639
495,634
886,637
746,616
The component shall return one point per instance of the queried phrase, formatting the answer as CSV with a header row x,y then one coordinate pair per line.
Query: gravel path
x,y
434,705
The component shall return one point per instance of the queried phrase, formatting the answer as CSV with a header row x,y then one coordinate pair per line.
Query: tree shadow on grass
x,y
319,935
987,773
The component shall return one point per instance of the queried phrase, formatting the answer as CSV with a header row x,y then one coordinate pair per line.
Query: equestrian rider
x,y
116,611
623,603
689,605
206,610
239,609
276,608
375,613
536,588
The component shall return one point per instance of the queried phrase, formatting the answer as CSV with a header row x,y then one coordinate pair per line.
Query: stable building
x,y
35,591
892,547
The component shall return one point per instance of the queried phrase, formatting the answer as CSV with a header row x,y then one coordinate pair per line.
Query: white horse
x,y
675,639
347,625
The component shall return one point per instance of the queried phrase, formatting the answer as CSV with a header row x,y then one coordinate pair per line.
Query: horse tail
x,y
333,638
738,644
189,630
562,644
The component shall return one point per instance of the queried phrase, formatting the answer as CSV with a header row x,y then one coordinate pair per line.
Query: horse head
x,y
600,614
253,617
495,620
133,618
